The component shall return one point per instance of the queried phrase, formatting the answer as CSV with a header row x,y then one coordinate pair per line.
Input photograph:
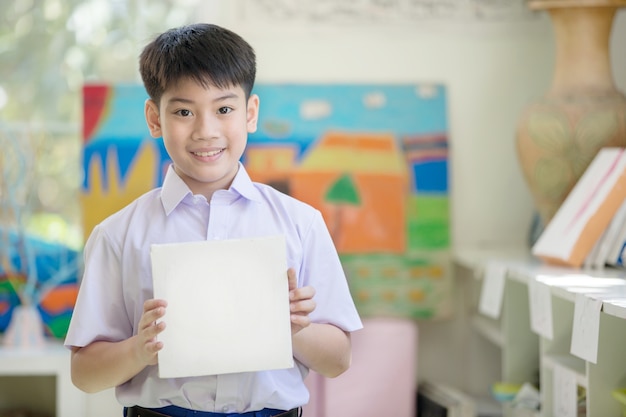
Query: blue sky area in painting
x,y
399,109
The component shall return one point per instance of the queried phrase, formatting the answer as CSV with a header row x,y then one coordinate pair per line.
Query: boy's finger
x,y
303,307
300,321
153,303
293,281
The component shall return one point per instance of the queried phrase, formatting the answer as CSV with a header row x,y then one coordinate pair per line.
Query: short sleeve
x,y
99,313
322,269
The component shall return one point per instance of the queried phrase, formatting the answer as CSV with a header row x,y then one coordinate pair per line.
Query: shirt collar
x,y
174,189
243,185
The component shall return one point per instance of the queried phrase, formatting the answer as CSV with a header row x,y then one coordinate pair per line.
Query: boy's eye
x,y
184,112
224,110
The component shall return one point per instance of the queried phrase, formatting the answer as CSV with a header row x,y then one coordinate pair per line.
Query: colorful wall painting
x,y
372,158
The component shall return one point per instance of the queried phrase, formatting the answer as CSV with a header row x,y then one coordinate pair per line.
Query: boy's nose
x,y
205,127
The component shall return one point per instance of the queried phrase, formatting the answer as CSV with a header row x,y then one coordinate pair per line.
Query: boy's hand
x,y
301,303
153,310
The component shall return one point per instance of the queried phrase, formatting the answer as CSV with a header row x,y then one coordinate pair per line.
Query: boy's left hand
x,y
301,303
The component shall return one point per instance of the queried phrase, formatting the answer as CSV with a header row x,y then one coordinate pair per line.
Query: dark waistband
x,y
175,411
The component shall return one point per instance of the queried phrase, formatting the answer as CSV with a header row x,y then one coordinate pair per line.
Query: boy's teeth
x,y
207,153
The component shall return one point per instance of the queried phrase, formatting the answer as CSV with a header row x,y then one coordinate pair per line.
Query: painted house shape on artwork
x,y
271,165
359,181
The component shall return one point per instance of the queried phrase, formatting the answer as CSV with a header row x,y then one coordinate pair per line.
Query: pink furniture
x,y
382,380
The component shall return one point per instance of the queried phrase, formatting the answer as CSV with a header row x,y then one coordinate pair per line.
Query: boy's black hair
x,y
206,53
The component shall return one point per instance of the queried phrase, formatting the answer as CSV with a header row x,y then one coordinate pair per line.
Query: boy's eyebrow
x,y
179,100
226,96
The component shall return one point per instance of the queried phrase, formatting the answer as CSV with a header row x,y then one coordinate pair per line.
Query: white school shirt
x,y
117,280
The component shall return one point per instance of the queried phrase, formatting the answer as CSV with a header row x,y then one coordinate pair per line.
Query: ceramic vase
x,y
559,134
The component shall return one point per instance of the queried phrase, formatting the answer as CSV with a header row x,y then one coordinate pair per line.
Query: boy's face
x,y
205,131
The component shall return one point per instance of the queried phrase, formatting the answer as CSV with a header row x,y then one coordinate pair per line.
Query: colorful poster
x,y
372,158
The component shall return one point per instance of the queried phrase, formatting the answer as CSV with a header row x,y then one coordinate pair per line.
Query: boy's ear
x,y
253,113
151,111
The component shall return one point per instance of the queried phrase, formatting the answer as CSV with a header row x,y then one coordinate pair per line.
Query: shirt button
x,y
225,409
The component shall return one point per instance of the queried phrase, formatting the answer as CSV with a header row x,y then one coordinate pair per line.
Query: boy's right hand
x,y
149,328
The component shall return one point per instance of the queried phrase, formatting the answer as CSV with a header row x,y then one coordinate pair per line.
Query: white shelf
x,y
51,360
523,351
574,364
489,329
615,308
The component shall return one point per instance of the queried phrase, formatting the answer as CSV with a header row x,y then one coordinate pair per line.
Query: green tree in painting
x,y
342,193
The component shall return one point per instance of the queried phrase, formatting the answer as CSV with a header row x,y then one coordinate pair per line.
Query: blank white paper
x,y
540,304
228,306
492,290
586,328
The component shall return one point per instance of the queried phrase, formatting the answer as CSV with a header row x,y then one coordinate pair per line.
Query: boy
x,y
199,79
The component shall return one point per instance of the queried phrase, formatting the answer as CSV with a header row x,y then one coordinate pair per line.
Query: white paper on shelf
x,y
586,328
492,289
228,306
565,401
540,307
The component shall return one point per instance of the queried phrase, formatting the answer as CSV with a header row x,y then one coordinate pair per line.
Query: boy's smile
x,y
205,131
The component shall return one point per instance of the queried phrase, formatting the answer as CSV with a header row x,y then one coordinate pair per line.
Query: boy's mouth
x,y
209,153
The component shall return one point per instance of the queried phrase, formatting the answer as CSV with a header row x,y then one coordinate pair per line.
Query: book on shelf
x,y
593,255
436,399
610,242
585,214
616,252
